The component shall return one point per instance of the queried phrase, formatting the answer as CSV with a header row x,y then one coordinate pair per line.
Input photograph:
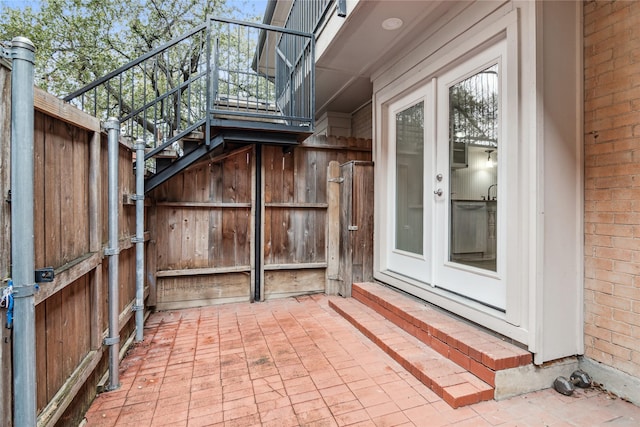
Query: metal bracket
x,y
352,228
137,308
111,251
44,275
5,53
137,240
138,146
111,341
338,180
25,291
341,8
8,199
136,196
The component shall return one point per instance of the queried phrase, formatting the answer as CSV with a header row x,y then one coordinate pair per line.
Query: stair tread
x,y
453,383
484,348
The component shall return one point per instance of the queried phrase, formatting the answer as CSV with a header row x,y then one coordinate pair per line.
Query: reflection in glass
x,y
473,145
410,179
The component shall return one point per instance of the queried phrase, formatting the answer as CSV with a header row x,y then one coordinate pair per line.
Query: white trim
x,y
505,26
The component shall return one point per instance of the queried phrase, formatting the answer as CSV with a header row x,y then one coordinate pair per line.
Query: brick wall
x,y
612,183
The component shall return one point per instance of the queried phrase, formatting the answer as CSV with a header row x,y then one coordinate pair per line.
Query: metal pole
x,y
113,340
22,246
139,239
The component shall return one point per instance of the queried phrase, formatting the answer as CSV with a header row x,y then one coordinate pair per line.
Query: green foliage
x,y
78,41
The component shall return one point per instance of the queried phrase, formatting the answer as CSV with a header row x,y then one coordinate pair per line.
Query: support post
x,y
113,339
333,283
257,294
139,239
22,232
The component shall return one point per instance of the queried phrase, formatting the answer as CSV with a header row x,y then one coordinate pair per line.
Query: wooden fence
x,y
205,228
70,231
200,240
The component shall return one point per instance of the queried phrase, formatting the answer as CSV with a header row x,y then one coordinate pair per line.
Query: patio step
x,y
471,349
453,383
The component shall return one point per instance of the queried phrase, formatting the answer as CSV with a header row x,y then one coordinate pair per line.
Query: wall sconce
x,y
489,161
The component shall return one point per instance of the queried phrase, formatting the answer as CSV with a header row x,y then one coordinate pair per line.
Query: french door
x,y
447,207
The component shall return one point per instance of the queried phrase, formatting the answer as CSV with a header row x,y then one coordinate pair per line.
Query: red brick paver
x,y
295,362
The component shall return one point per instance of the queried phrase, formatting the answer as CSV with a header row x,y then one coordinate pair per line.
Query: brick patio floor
x,y
295,362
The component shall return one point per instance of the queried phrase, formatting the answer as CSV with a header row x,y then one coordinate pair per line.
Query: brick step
x,y
475,350
453,383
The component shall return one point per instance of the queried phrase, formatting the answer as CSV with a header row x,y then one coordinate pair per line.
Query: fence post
x,y
113,340
333,282
139,239
22,232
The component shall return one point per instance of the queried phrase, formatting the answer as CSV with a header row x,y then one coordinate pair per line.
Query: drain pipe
x,y
139,239
22,232
113,340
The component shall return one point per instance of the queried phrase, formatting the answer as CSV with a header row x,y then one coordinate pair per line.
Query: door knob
x,y
438,192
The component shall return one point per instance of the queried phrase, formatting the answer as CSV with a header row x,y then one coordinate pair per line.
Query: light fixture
x,y
489,161
391,24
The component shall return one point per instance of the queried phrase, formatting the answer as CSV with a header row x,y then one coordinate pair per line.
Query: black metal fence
x,y
222,73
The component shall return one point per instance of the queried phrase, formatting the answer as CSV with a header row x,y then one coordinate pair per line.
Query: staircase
x,y
219,87
460,362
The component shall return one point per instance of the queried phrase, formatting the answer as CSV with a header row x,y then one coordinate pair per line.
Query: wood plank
x,y
194,288
203,271
333,229
284,283
362,211
297,205
95,189
97,314
55,345
151,253
41,356
54,107
40,209
346,238
65,177
207,205
70,389
67,274
52,195
295,266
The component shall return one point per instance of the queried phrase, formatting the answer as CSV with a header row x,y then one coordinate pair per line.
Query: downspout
x,y
112,127
22,232
139,239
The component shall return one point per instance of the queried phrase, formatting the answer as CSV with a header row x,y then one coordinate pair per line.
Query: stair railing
x,y
223,73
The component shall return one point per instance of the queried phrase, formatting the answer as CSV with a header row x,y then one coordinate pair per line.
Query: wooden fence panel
x,y
204,224
70,230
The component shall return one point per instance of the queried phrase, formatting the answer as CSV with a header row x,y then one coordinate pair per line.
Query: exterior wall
x,y
361,124
612,167
541,165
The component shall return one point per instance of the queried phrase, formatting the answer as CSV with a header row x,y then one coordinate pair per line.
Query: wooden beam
x,y
333,229
57,108
204,205
69,273
295,266
294,205
203,271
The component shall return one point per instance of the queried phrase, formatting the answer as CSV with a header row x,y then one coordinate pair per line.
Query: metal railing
x,y
214,74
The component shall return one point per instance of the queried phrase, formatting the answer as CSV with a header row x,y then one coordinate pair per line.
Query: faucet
x,y
489,192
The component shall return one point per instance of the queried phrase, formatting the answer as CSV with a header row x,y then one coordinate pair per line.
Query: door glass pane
x,y
473,145
410,179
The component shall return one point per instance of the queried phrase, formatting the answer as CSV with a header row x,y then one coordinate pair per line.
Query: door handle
x,y
438,192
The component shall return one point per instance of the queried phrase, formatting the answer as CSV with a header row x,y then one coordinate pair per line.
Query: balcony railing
x,y
211,77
